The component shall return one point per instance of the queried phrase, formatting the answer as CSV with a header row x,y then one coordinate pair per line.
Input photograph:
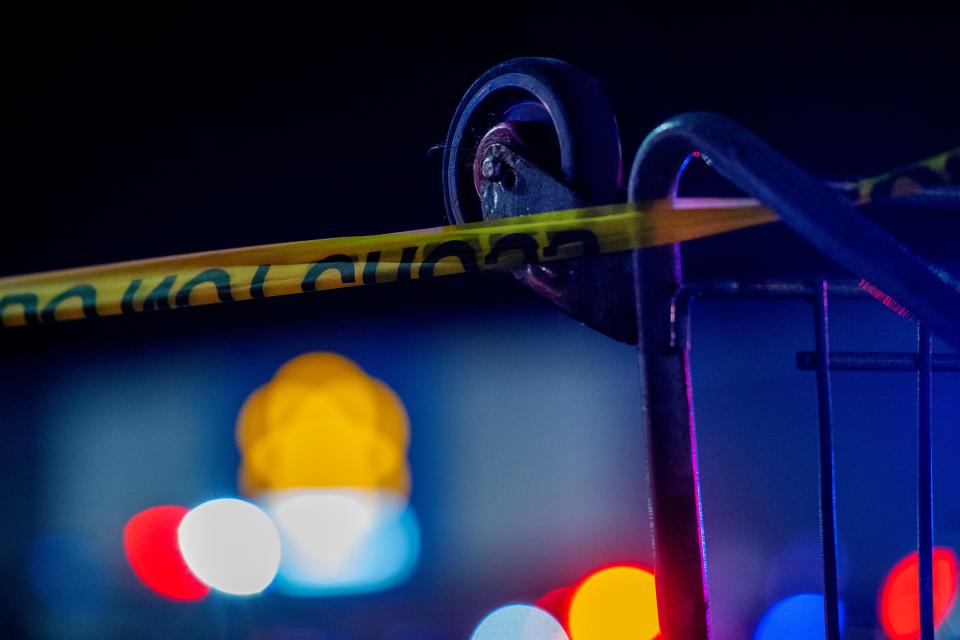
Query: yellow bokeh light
x,y
618,603
322,422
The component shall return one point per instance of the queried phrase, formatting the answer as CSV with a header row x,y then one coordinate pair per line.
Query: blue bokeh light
x,y
67,575
343,541
796,617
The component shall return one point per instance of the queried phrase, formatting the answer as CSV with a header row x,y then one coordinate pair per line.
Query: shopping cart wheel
x,y
549,112
555,119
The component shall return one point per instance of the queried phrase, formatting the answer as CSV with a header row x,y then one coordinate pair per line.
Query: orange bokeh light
x,y
616,603
323,422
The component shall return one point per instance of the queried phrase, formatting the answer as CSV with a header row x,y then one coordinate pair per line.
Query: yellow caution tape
x,y
299,267
940,170
314,265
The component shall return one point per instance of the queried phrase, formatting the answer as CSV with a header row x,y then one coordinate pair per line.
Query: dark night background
x,y
139,132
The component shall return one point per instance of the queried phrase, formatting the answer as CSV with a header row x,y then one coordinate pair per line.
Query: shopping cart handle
x,y
810,207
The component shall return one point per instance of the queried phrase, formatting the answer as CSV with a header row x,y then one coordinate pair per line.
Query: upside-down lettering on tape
x,y
313,265
300,267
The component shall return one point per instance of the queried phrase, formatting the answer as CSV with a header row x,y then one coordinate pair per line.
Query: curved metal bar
x,y
806,205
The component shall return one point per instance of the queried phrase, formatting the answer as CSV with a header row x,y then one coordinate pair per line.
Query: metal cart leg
x,y
680,565
828,483
925,482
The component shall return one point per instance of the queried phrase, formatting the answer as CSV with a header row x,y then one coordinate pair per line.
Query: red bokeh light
x,y
900,599
151,547
557,604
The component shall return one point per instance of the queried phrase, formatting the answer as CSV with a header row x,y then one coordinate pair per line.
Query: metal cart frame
x,y
494,147
820,216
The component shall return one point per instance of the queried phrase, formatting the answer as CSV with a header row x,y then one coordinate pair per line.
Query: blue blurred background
x,y
527,459
146,132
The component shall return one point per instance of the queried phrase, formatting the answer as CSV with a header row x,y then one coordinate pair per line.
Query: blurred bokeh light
x,y
324,450
519,622
67,575
796,617
900,600
557,604
230,545
153,551
339,541
322,422
615,603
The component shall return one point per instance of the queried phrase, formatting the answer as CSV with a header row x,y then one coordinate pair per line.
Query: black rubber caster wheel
x,y
557,119
549,111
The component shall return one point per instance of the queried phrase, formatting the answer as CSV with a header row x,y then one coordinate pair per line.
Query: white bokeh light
x,y
230,545
328,526
338,541
519,622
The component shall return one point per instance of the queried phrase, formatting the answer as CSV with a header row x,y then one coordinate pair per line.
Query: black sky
x,y
142,133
